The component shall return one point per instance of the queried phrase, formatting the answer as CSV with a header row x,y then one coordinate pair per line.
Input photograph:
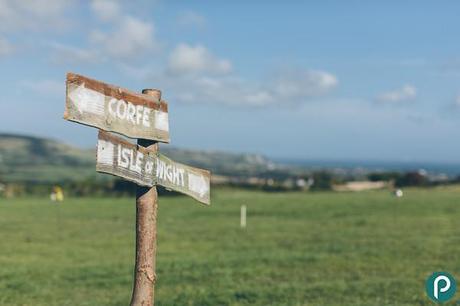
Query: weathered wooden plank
x,y
147,167
124,159
182,178
115,109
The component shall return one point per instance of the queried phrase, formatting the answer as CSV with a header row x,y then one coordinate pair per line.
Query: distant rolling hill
x,y
33,159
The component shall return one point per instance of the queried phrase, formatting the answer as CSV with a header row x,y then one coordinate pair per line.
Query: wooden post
x,y
146,233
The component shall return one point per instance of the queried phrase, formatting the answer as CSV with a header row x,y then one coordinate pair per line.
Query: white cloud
x,y
191,19
33,15
187,59
123,38
67,54
234,91
259,98
221,91
131,37
403,94
43,8
6,48
45,87
106,10
456,103
452,109
304,83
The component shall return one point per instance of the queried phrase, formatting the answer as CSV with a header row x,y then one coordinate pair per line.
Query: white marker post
x,y
243,216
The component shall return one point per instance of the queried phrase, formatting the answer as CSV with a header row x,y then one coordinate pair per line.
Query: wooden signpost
x,y
145,117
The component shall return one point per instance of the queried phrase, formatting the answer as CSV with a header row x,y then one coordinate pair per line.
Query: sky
x,y
329,80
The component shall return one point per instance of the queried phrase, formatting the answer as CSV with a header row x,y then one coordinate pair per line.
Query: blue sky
x,y
295,79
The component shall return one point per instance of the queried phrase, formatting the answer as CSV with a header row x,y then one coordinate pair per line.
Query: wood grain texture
x,y
146,232
119,157
194,182
146,245
147,167
115,109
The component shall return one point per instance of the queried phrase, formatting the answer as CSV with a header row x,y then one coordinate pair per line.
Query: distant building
x,y
360,186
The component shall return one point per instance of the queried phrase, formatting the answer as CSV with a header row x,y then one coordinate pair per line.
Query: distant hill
x,y
221,162
25,158
33,159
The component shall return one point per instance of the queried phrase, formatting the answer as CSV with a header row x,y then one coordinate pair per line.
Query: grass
x,y
298,249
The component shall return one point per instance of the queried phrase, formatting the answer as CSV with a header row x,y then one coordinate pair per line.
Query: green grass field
x,y
298,249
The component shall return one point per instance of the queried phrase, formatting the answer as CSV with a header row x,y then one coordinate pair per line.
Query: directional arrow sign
x,y
185,179
115,109
147,167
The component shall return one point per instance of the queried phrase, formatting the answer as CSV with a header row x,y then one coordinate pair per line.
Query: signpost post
x,y
145,117
146,232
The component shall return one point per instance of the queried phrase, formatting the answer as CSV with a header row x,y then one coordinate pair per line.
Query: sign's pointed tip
x,y
75,96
